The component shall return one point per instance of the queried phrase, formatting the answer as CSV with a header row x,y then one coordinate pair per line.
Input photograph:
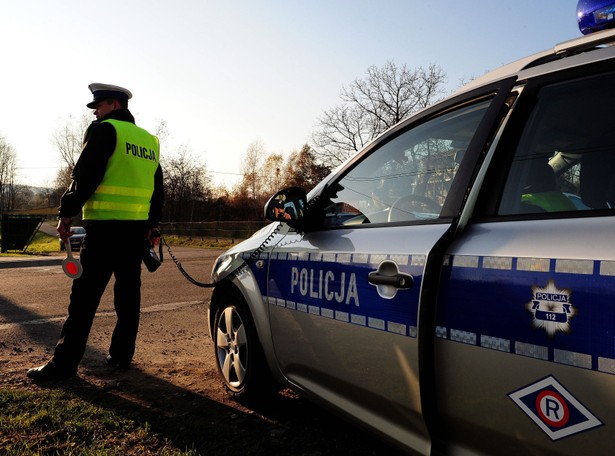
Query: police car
x,y
451,287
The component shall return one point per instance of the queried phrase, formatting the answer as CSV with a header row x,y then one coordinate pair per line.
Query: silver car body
x,y
505,341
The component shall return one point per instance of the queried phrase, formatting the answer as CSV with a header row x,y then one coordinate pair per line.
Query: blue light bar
x,y
595,15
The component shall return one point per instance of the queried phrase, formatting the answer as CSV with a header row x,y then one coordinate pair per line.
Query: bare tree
x,y
53,189
263,174
68,139
186,186
8,171
343,130
373,104
272,174
302,169
62,179
161,131
251,181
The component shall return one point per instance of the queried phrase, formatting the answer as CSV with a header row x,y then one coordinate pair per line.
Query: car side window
x,y
565,159
408,178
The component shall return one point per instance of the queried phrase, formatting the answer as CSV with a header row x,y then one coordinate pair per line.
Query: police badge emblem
x,y
551,308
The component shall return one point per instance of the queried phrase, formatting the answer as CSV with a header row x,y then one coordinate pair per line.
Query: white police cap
x,y
103,91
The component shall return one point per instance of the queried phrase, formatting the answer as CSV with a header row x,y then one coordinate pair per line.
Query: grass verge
x,y
57,422
203,243
44,244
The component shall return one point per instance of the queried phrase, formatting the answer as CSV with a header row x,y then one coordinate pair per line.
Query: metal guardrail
x,y
17,231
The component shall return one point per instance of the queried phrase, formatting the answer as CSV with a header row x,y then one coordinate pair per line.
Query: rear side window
x,y
565,159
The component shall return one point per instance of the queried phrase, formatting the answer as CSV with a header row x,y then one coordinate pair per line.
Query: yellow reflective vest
x,y
128,184
549,201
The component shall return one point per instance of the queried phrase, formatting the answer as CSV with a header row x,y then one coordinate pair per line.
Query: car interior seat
x,y
597,179
541,193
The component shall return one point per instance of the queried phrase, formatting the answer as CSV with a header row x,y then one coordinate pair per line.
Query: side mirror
x,y
287,205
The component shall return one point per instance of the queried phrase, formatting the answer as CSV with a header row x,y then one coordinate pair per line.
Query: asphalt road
x,y
37,288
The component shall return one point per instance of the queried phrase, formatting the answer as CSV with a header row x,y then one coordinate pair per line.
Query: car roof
x,y
559,51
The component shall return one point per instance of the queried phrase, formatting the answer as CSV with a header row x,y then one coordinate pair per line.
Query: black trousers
x,y
109,248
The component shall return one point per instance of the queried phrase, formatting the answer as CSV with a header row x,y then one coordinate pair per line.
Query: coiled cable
x,y
238,270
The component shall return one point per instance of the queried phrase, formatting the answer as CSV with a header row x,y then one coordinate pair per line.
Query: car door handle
x,y
388,280
399,280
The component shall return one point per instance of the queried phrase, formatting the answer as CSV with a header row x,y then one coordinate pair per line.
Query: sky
x,y
224,74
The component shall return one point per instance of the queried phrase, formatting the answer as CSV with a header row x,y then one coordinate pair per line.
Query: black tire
x,y
239,355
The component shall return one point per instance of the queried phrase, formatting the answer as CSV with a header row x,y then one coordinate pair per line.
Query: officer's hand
x,y
64,225
153,236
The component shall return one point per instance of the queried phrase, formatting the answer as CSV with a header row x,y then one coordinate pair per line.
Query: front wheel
x,y
238,352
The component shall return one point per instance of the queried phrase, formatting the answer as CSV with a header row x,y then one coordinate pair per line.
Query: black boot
x,y
50,371
121,365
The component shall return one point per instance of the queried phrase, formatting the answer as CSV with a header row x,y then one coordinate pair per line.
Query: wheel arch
x,y
259,312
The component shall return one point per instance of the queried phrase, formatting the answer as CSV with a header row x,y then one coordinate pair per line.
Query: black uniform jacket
x,y
98,146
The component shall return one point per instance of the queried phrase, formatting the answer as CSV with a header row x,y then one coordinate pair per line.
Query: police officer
x,y
117,183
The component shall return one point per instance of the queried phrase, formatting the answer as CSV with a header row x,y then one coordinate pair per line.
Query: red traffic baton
x,y
71,265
